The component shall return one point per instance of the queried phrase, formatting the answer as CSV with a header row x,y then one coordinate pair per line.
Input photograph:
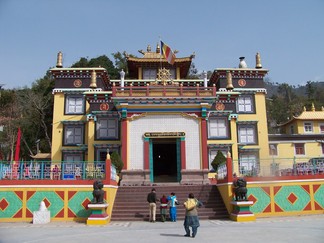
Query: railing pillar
x,y
214,90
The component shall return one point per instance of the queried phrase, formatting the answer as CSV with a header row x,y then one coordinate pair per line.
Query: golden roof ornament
x,y
313,107
164,75
229,81
158,49
258,60
148,48
93,83
59,61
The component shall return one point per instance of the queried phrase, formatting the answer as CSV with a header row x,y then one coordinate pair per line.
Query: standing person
x,y
163,207
173,207
191,218
151,199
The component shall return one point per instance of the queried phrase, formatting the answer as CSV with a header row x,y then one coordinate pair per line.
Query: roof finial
x,y
93,84
148,48
59,62
313,107
242,63
158,50
258,60
304,109
229,85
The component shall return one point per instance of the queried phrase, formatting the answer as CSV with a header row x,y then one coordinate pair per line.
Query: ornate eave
x,y
238,73
81,73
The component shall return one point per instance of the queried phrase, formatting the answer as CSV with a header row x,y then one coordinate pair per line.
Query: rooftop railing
x,y
163,91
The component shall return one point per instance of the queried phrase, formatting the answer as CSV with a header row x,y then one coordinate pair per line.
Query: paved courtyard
x,y
280,229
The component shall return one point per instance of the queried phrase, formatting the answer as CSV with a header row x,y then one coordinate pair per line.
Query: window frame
x,y
67,128
253,128
245,105
117,128
299,149
252,164
218,128
68,106
150,70
275,149
308,127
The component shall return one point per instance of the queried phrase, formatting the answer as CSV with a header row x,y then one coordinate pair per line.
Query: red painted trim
x,y
183,154
146,155
204,144
229,166
124,138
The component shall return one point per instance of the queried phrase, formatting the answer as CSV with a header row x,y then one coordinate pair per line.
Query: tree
x,y
117,161
101,61
218,160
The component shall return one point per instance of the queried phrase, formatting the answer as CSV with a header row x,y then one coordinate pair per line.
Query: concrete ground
x,y
295,229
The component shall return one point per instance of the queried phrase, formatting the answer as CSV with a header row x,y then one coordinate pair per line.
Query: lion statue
x,y
240,189
98,193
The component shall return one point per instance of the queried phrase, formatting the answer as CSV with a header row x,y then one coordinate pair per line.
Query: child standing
x,y
163,207
173,208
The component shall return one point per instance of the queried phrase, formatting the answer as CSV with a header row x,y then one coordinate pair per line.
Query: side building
x,y
166,127
299,148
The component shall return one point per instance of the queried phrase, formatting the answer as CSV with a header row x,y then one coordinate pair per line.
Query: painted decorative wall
x,y
281,198
64,203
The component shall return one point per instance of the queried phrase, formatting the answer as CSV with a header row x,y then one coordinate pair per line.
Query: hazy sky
x,y
289,34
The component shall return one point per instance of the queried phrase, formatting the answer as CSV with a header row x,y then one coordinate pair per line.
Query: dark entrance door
x,y
164,160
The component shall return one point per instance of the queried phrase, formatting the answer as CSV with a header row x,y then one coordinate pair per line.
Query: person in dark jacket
x,y
151,199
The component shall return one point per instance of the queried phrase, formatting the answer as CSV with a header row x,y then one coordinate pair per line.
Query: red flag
x,y
167,53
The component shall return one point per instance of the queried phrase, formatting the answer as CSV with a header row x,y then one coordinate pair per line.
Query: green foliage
x,y
101,61
219,159
117,161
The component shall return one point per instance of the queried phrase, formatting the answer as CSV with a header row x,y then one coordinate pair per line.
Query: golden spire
x,y
148,48
229,80
158,50
59,62
304,108
258,60
313,107
93,83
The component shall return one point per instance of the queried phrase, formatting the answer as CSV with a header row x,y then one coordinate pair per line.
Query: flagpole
x,y
161,52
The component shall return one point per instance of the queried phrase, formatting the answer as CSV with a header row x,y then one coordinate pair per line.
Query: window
x,y
299,149
321,128
248,164
273,149
107,128
149,73
72,166
73,134
74,104
173,73
218,128
308,127
247,134
213,153
244,104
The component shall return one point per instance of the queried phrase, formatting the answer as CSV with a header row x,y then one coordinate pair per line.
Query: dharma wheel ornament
x,y
163,75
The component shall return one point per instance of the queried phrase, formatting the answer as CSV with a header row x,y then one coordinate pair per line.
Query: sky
x,y
288,34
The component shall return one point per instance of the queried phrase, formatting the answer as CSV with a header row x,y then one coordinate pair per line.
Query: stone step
x,y
131,205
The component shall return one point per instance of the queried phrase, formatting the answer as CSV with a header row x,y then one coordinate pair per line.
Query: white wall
x,y
164,123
